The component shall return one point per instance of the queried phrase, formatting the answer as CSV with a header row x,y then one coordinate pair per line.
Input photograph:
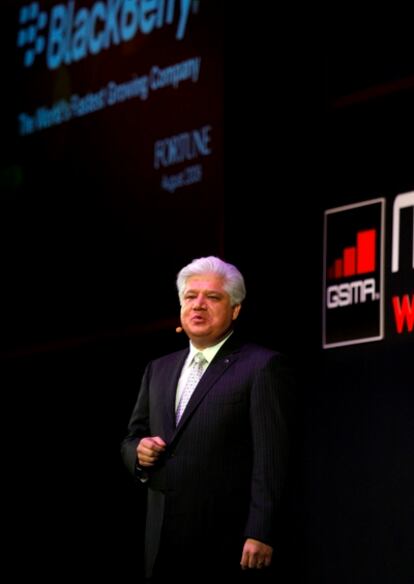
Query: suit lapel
x,y
171,388
221,362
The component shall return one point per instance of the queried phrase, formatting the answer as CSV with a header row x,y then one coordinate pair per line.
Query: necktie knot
x,y
199,359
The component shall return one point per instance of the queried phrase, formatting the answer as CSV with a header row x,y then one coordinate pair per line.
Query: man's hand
x,y
256,554
149,450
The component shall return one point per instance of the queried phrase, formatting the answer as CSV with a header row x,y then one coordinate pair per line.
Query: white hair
x,y
233,281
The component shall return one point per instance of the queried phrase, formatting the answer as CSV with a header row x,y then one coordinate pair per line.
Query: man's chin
x,y
197,332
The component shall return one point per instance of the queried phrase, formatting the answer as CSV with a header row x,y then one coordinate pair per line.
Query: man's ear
x,y
236,311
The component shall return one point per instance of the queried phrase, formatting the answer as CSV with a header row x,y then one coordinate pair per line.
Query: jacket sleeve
x,y
138,428
271,394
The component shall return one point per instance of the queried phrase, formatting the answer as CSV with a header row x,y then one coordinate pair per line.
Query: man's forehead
x,y
205,281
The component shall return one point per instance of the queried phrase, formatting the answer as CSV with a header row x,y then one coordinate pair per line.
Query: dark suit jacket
x,y
220,479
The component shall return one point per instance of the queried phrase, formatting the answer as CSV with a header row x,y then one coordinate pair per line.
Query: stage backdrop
x,y
112,167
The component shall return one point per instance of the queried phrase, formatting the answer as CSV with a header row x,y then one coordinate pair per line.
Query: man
x,y
213,456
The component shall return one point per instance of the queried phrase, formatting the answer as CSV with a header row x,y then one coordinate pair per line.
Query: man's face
x,y
206,312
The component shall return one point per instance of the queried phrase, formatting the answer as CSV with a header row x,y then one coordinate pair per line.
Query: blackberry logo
x,y
31,22
75,33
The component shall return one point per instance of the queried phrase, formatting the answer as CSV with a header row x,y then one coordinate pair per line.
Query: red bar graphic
x,y
349,261
338,268
366,251
359,259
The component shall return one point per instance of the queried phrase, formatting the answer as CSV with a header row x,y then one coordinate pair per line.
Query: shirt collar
x,y
209,352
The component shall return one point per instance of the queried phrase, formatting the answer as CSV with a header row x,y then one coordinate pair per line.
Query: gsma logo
x,y
353,305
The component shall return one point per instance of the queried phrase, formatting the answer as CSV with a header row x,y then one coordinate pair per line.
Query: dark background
x,y
84,313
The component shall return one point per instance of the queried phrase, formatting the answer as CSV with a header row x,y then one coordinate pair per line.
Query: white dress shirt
x,y
209,353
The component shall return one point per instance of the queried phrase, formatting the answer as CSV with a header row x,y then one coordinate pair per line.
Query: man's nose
x,y
199,301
